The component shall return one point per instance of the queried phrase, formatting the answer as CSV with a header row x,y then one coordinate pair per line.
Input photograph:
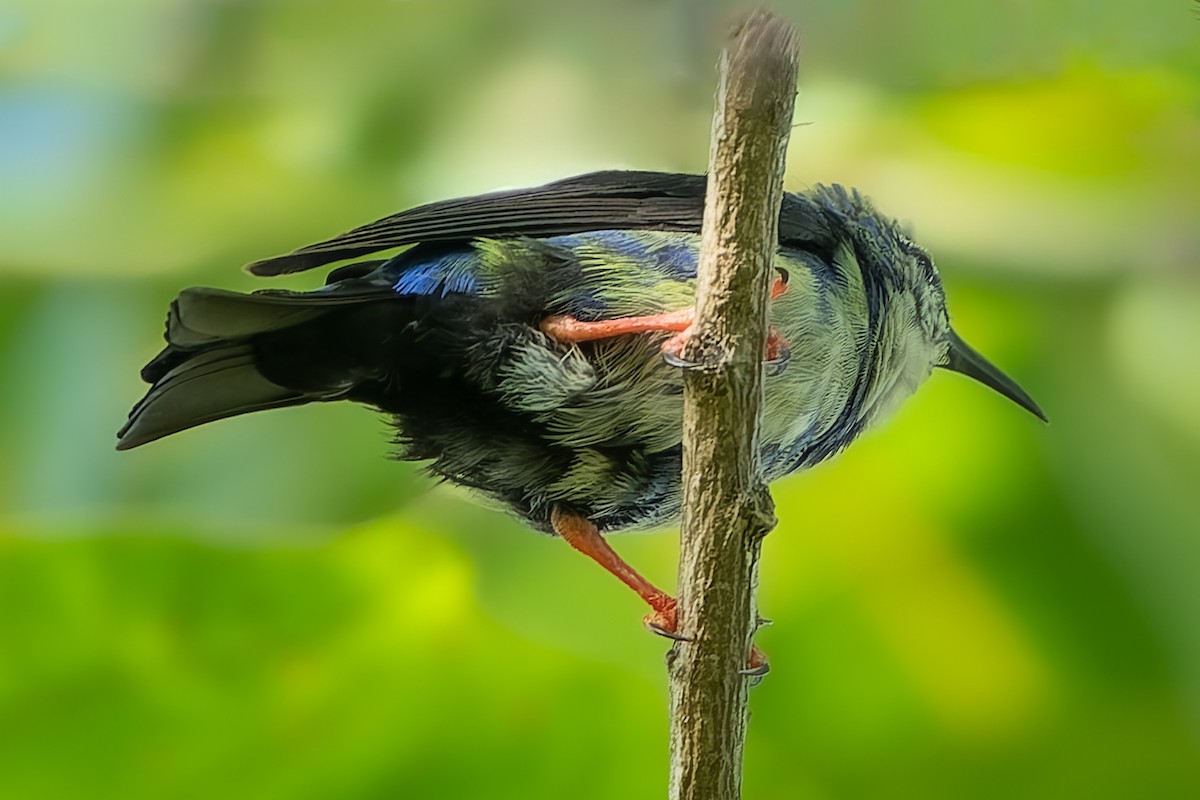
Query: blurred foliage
x,y
967,604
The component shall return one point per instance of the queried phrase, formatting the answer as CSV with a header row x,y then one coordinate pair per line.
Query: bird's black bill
x,y
961,357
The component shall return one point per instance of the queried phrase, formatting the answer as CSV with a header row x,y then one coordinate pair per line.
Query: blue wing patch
x,y
467,270
452,273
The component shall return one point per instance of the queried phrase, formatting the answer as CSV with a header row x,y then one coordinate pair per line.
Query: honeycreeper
x,y
525,344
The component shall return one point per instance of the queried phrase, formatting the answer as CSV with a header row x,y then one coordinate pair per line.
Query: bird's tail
x,y
229,353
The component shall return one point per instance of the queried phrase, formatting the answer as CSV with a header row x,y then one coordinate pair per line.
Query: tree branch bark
x,y
726,506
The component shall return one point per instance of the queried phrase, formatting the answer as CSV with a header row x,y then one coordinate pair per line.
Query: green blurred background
x,y
967,604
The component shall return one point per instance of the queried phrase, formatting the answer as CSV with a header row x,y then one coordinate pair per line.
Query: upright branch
x,y
726,506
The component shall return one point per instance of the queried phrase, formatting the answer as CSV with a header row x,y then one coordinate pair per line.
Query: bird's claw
x,y
756,667
659,630
778,364
672,350
662,621
782,278
779,353
675,360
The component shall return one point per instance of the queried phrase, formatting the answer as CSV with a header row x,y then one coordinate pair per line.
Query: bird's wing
x,y
599,200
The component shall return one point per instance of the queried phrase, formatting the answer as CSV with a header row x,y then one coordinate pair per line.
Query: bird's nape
x,y
964,359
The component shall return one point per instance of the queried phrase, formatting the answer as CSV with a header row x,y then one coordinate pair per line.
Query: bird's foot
x,y
757,665
672,350
663,620
778,352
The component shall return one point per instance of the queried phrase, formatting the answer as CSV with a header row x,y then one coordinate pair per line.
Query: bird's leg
x,y
778,352
580,533
585,537
568,329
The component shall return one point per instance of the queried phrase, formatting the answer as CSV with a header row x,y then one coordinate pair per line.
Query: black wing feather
x,y
599,200
613,199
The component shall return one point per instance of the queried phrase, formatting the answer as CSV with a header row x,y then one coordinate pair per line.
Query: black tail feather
x,y
229,353
209,385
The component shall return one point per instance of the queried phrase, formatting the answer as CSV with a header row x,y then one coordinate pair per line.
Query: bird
x,y
525,344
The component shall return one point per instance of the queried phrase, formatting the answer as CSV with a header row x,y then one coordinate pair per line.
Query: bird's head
x,y
948,349
904,288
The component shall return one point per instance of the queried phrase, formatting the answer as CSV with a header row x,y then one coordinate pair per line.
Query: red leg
x,y
564,328
570,330
581,534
